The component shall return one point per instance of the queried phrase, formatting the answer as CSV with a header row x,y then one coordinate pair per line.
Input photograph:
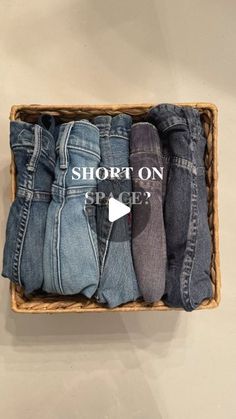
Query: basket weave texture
x,y
41,303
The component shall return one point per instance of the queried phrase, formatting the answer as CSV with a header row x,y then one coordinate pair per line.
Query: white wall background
x,y
112,366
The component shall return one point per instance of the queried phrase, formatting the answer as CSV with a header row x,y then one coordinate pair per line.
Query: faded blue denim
x,y
185,211
118,284
34,152
71,263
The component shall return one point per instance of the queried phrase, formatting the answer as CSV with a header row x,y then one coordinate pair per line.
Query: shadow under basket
x,y
47,303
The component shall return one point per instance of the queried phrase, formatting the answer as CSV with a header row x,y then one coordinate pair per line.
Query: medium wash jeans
x,y
187,232
118,284
70,249
34,152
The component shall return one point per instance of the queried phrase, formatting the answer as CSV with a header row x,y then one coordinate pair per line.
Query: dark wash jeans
x,y
118,284
185,210
34,152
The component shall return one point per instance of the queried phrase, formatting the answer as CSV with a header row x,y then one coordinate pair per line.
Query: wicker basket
x,y
42,303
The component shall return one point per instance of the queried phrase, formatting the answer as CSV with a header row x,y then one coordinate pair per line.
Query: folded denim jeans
x,y
70,249
118,284
185,210
148,231
33,148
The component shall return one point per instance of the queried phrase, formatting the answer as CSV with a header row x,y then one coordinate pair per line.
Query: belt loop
x,y
63,145
37,148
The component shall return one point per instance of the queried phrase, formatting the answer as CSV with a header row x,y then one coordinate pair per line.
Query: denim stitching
x,y
124,137
173,125
188,262
63,146
36,195
85,150
63,156
37,149
20,240
92,240
43,152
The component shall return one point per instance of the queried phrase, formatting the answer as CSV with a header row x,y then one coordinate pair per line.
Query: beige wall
x,y
144,365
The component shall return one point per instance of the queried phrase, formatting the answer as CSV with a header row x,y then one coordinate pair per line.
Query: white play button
x,y
116,210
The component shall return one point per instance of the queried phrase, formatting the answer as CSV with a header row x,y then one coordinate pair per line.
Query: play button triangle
x,y
116,210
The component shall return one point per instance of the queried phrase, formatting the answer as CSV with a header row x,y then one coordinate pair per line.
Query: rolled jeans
x,y
185,210
148,231
70,249
34,152
118,284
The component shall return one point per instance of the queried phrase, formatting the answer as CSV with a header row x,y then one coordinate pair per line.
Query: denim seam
x,y
189,256
124,137
173,125
73,196
58,192
58,245
89,124
105,140
31,129
79,191
148,153
181,162
143,123
37,150
63,155
30,192
102,243
43,152
92,240
36,195
101,125
24,215
20,145
41,198
195,129
80,122
106,247
23,129
58,232
82,149
53,254
85,150
104,131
